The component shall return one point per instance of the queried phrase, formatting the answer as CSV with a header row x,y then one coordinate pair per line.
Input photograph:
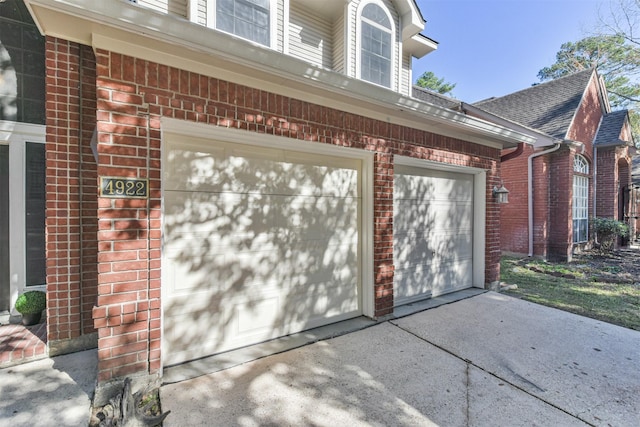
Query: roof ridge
x,y
538,85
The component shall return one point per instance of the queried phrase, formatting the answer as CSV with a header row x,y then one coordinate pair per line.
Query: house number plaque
x,y
128,188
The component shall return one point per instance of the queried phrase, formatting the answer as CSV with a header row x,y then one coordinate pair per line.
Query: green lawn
x,y
576,288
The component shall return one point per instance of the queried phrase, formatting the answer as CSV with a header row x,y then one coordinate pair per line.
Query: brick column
x,y
62,184
127,314
383,234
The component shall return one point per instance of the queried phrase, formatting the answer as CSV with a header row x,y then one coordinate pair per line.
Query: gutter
x,y
530,190
157,37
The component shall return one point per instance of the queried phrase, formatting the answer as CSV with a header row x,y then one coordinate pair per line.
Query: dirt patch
x,y
621,266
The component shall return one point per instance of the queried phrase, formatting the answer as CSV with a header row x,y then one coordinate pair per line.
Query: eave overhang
x,y
142,33
537,139
420,45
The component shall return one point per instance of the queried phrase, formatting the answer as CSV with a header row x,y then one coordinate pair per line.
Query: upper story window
x,y
249,19
376,38
22,65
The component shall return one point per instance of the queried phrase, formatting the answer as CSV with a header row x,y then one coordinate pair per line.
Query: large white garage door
x,y
432,232
258,243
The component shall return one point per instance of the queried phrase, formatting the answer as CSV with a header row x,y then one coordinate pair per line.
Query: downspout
x,y
513,154
595,188
530,191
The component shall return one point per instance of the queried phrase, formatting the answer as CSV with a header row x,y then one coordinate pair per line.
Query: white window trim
x,y
273,22
580,177
16,135
393,84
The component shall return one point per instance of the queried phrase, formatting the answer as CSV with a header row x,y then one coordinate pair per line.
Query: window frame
x,y
17,135
273,22
393,80
580,200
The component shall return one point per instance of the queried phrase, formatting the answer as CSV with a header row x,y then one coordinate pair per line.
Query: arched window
x,y
376,43
249,19
580,199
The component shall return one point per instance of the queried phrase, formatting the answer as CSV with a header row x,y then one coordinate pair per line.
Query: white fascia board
x,y
142,33
419,45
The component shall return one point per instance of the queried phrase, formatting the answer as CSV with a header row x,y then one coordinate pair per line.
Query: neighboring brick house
x,y
634,201
206,191
582,170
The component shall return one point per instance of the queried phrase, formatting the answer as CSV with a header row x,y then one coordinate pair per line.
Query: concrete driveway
x,y
490,360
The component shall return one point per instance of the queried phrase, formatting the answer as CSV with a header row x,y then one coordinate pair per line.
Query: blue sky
x,y
495,47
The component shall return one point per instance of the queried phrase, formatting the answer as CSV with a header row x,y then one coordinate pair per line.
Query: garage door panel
x,y
428,184
414,248
432,231
218,213
430,214
228,168
318,217
268,240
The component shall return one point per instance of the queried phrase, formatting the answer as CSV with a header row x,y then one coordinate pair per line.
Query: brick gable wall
x,y
132,95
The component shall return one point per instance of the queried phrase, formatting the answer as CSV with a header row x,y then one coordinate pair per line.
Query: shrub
x,y
31,302
608,230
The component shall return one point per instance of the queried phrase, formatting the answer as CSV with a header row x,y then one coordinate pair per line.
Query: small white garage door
x,y
258,243
432,232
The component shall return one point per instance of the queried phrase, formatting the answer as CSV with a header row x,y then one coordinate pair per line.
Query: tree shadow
x,y
433,233
342,381
258,243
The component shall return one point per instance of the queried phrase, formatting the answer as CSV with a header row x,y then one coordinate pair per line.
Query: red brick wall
x,y
71,190
132,95
89,200
587,119
607,191
624,183
560,204
514,216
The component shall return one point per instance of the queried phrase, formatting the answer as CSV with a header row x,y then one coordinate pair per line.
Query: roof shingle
x,y
548,107
611,128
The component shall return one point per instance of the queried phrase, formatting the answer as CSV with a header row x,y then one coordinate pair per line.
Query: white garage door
x,y
432,232
258,243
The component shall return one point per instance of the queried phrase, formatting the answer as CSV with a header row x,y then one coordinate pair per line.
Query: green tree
x,y
614,50
429,80
617,61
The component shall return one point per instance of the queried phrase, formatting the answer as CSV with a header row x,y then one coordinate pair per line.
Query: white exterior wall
x,y
280,25
174,7
339,41
405,74
302,33
310,37
202,12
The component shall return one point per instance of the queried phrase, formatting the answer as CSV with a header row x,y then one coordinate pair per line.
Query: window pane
x,y
580,208
377,15
4,227
375,55
35,213
245,18
23,69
